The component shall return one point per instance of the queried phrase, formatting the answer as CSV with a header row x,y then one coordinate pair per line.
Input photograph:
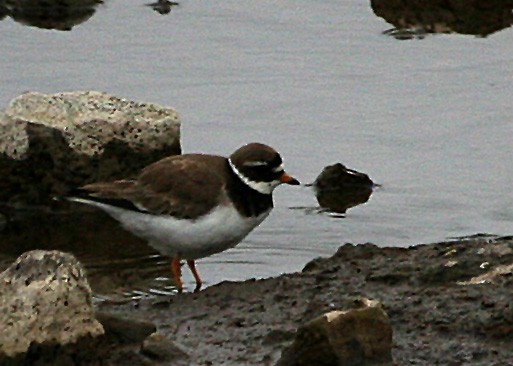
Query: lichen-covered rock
x,y
50,143
44,298
351,337
92,119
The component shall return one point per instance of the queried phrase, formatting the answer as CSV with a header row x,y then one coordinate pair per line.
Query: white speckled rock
x,y
49,143
44,297
89,120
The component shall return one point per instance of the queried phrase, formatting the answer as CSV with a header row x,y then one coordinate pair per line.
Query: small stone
x,y
124,329
158,347
352,337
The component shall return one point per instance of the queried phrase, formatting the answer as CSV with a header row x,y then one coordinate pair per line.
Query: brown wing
x,y
177,186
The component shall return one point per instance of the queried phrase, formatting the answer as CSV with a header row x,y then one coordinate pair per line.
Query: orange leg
x,y
177,273
192,266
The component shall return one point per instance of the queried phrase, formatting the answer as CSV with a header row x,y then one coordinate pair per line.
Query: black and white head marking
x,y
259,186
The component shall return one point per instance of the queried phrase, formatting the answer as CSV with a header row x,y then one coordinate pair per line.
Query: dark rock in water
x,y
353,337
337,176
51,14
338,188
417,17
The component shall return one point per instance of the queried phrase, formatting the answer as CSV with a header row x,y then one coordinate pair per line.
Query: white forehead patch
x,y
262,187
278,169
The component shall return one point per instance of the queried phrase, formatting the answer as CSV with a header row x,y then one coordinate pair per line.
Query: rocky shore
x,y
448,303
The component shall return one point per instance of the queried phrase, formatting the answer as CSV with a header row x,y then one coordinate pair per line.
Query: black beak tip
x,y
294,182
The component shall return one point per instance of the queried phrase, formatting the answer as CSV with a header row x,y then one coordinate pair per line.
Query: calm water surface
x,y
430,120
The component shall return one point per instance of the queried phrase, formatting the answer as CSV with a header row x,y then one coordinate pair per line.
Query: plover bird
x,y
195,205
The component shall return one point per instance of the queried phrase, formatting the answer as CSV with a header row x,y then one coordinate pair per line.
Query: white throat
x,y
261,187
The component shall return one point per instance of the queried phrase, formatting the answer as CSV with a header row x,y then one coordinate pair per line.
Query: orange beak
x,y
285,178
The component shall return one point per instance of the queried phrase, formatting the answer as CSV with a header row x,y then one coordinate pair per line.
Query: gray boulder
x,y
50,143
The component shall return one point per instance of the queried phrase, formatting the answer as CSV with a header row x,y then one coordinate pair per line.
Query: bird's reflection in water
x,y
119,266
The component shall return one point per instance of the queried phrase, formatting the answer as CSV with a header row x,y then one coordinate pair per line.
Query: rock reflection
x,y
338,188
49,14
118,264
3,10
415,18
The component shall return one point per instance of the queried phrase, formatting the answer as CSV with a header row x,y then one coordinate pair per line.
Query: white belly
x,y
221,229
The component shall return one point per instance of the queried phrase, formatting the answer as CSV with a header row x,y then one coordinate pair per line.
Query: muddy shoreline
x,y
449,303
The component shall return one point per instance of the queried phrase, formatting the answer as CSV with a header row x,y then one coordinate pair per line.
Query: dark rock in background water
x,y
338,188
412,17
163,7
51,14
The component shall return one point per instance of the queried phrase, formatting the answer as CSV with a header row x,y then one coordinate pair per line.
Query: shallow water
x,y
428,119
